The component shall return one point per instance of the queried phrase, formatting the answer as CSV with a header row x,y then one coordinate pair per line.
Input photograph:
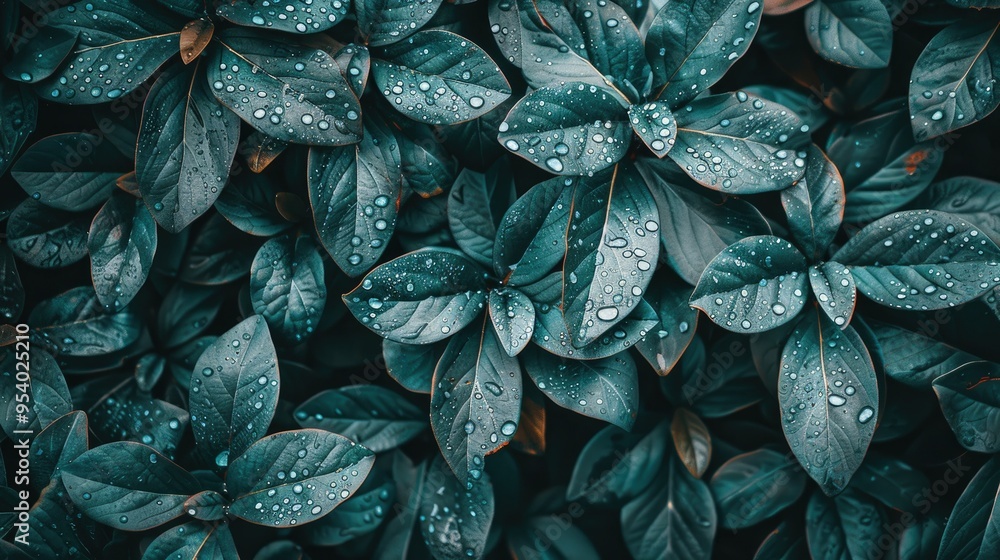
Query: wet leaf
x,y
655,126
55,172
49,395
192,541
834,288
513,318
891,481
383,22
455,516
977,200
359,516
125,413
195,36
847,525
530,239
377,418
815,205
287,286
853,33
74,324
291,16
678,322
122,243
207,506
970,401
41,56
21,111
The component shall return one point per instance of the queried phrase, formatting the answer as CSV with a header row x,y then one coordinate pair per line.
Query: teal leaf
x,y
354,193
692,44
396,540
306,99
718,388
121,44
291,16
475,399
377,418
921,259
234,391
192,541
330,470
637,455
665,344
655,126
128,486
287,286
755,285
970,401
814,206
38,58
755,486
577,129
835,290
891,481
411,365
218,254
186,311
121,244
972,528
359,516
383,22
571,543
11,288
49,171
945,83
57,528
786,542
207,506
438,77
829,398
50,396
977,200
420,297
612,248
691,441
20,109
186,145
917,359
740,144
126,413
455,516
189,8
531,238
513,318
853,33
606,389
248,203
849,525
74,323
427,166
355,63
476,203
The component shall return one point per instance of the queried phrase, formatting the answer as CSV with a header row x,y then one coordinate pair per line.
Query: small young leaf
x,y
835,290
815,205
195,36
513,318
853,33
678,321
122,243
287,286
655,126
377,418
691,441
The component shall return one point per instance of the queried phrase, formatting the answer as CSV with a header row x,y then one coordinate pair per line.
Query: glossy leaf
x,y
691,441
411,365
755,486
853,33
383,22
74,324
287,286
455,516
292,16
513,318
125,413
192,541
122,243
917,359
678,321
977,200
476,203
972,525
848,525
655,126
530,239
815,205
970,401
356,518
834,288
55,171
42,56
377,418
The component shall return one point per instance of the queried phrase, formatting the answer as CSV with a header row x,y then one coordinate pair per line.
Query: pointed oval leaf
x,y
291,16
187,310
815,205
287,286
853,33
618,464
977,200
49,395
972,525
455,515
835,290
207,506
74,324
38,58
195,36
126,413
192,541
513,318
11,288
377,418
475,203
678,322
530,239
122,243
970,401
849,525
691,441
383,22
411,365
655,126
249,202
917,359
829,399
755,486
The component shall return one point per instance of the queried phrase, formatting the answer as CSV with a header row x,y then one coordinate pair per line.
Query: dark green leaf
x,y
917,359
575,129
678,321
946,91
513,318
815,205
691,45
534,539
786,542
57,528
655,126
970,401
292,16
530,239
121,44
11,288
715,388
754,285
891,481
692,441
47,238
218,254
476,203
455,516
122,243
46,386
70,171
740,144
359,516
618,464
438,77
249,203
186,312
55,446
834,288
193,541
377,418
847,526
853,33
411,365
428,168
977,200
355,62
287,286
189,8
260,478
807,106
305,99
421,297
921,259
128,486
972,526
125,413
234,391
920,540
829,399
606,389
475,399
41,56
755,486
396,540
612,248
20,110
74,324
383,22
186,145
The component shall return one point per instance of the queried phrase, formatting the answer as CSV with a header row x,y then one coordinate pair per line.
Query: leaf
x,y
531,538
970,402
287,286
427,166
475,399
186,311
186,145
355,60
195,36
611,249
972,525
696,224
755,285
678,322
396,540
891,481
438,77
38,58
20,109
530,239
755,486
814,206
45,385
207,506
420,297
336,469
359,516
249,202
73,323
740,144
692,44
411,365
606,389
192,541
718,387
848,525
921,259
312,105
355,192
383,22
835,290
552,334
120,45
691,441
292,16
128,486
70,171
618,464
917,359
189,8
234,391
684,529
573,130
455,516
125,413
945,84
655,126
57,528
476,203
530,436
122,243
977,200
829,396
852,33
377,418
11,288
513,318
788,540
218,254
